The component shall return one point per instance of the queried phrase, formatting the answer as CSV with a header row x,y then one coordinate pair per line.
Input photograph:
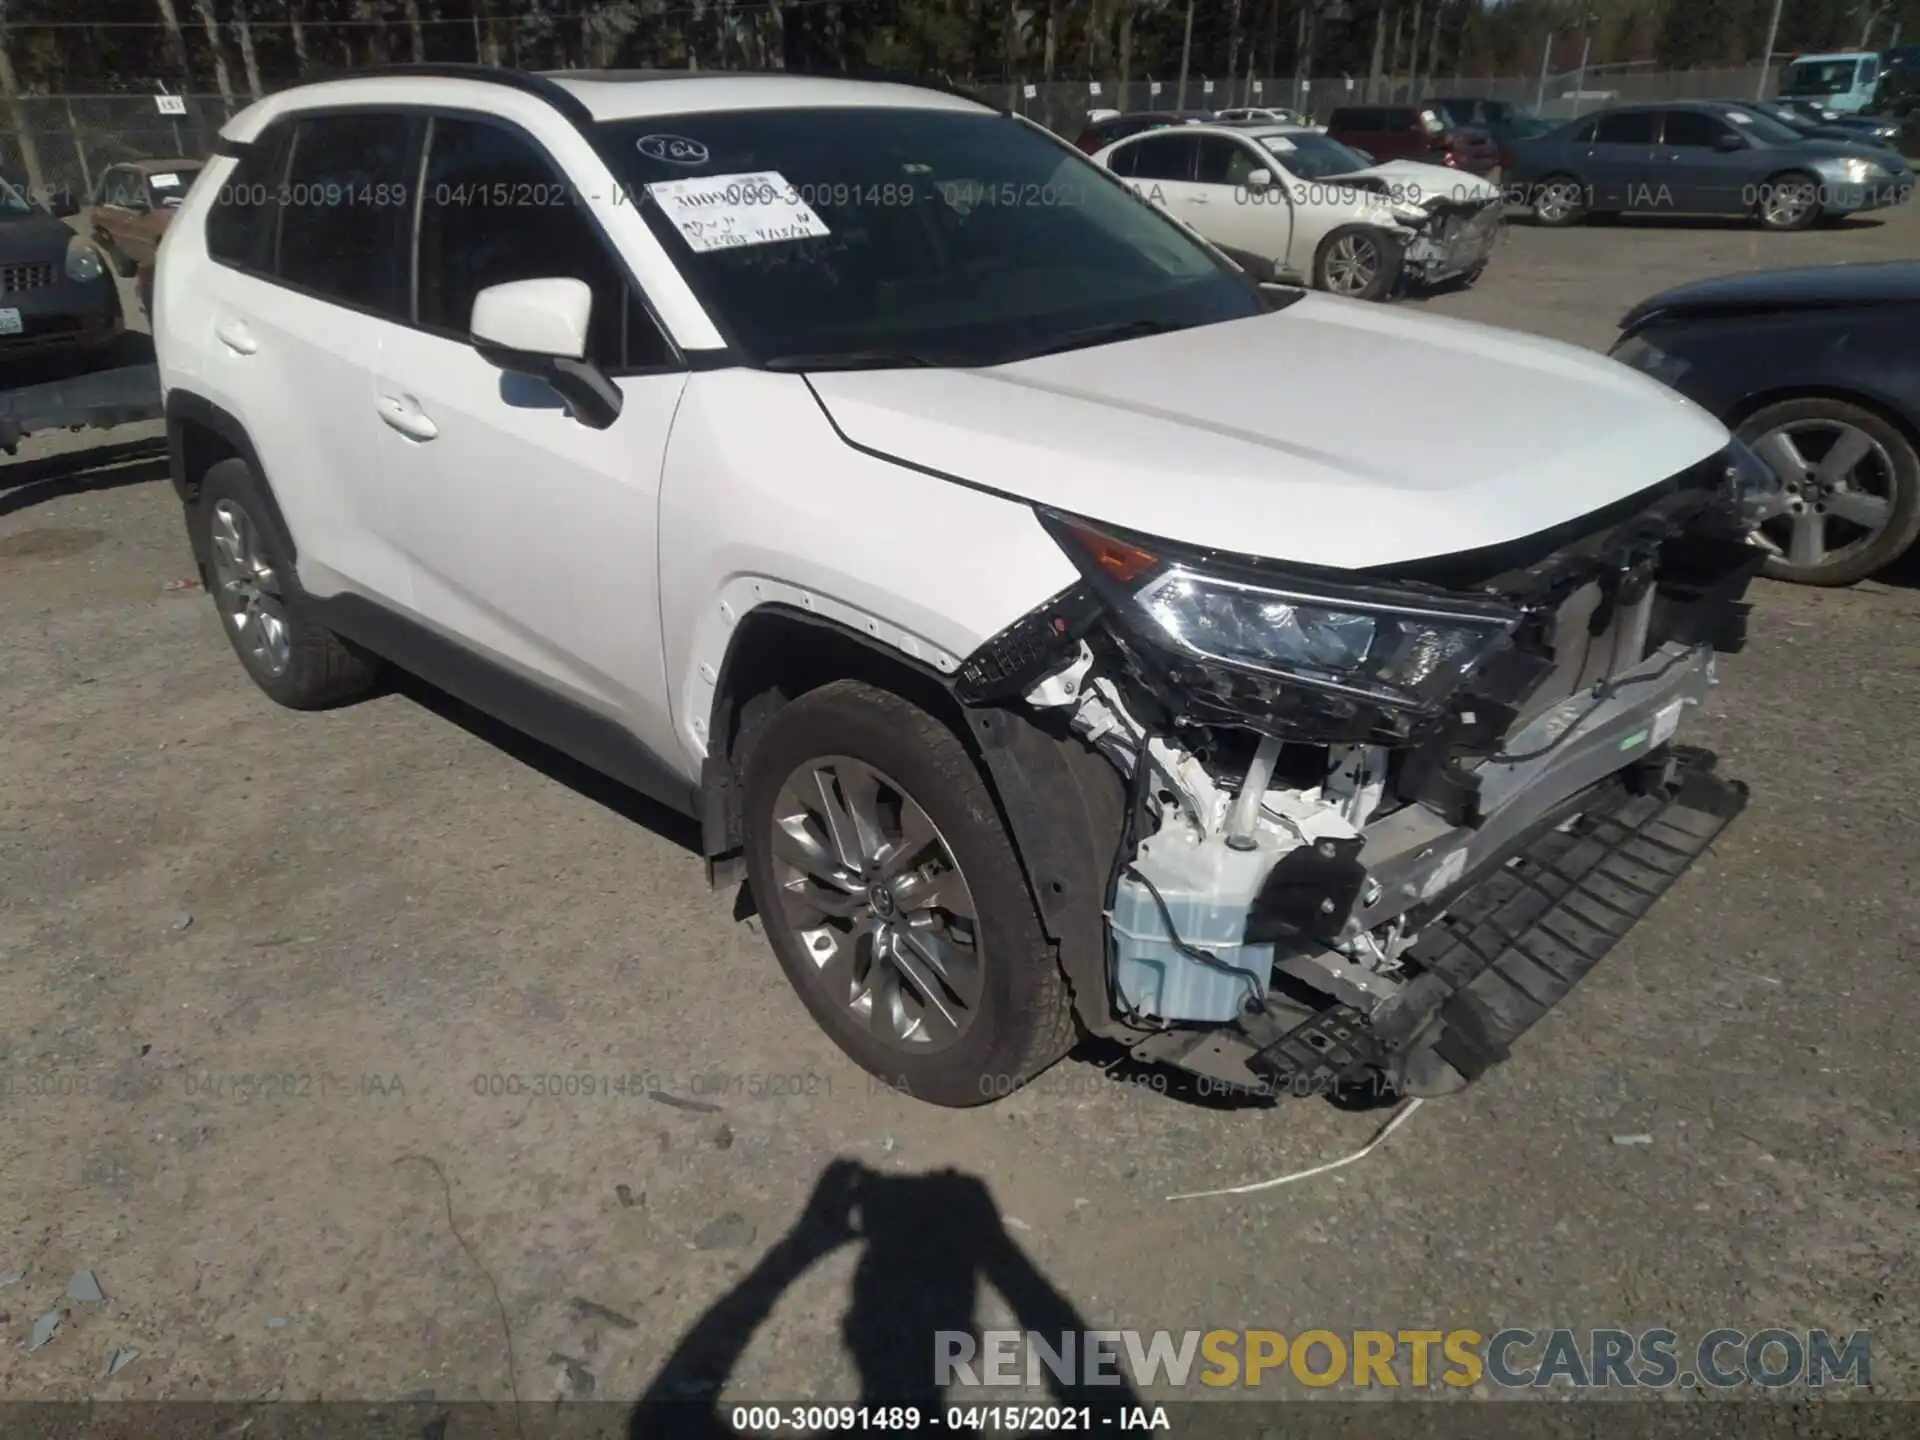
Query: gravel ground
x,y
261,974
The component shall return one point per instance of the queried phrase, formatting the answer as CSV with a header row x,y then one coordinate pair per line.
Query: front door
x,y
532,538
1705,179
1236,215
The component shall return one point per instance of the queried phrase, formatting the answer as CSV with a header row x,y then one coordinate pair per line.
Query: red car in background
x,y
1415,132
1102,133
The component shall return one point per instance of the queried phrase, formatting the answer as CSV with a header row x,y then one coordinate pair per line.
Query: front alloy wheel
x,y
877,903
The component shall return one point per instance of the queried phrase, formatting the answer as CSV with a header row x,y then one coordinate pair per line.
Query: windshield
x,y
1312,156
12,201
910,236
1818,77
1764,127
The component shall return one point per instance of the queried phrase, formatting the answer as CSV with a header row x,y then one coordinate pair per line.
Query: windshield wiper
x,y
852,360
1101,335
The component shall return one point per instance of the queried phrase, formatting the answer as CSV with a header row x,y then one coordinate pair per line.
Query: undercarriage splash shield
x,y
1514,944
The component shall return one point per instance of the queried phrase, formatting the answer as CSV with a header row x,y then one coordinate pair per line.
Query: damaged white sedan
x,y
1292,204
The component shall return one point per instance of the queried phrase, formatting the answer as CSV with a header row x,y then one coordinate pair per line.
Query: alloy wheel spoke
x,y
910,958
860,788
1868,511
1849,449
817,899
1809,543
916,836
795,845
1776,447
952,963
839,824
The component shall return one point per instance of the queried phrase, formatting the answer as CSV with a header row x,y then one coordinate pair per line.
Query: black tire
x,y
1388,256
321,669
1024,1019
1556,217
1763,213
1854,562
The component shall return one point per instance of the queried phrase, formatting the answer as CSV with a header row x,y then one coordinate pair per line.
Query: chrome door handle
x,y
236,337
403,413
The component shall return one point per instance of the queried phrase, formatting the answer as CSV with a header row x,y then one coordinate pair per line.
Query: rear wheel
x,y
894,900
268,618
1359,262
1559,200
1788,202
1851,499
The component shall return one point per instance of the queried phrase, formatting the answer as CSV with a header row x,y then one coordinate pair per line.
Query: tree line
x,y
239,49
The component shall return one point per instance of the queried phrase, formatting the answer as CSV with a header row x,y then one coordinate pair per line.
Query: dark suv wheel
x,y
894,900
270,620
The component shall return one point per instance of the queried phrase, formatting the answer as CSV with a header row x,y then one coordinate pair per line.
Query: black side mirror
x,y
63,203
1726,142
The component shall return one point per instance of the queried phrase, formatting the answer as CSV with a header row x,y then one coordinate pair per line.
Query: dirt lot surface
x,y
278,991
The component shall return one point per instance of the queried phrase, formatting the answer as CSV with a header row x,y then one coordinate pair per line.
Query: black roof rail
x,y
527,82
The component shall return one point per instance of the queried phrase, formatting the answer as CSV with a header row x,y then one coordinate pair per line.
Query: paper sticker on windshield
x,y
164,182
725,212
1739,117
1280,145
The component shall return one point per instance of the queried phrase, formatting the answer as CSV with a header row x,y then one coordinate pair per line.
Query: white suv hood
x,y
1333,432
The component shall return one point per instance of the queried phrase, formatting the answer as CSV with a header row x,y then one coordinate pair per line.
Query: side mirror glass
x,y
540,328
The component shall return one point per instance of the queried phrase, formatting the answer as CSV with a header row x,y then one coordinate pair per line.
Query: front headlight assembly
x,y
1635,353
1360,643
83,261
1751,486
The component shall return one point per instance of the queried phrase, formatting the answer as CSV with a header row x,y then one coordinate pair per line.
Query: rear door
x,y
311,245
1621,166
533,538
1703,178
1161,167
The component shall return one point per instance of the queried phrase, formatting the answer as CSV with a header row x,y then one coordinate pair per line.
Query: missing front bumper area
x,y
1507,949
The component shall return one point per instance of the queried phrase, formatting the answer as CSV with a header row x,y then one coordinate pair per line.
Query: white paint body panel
x,y
614,567
1334,432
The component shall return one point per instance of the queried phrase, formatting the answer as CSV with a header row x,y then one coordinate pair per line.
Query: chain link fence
x,y
64,141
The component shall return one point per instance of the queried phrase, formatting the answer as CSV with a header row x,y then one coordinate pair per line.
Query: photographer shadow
x,y
930,1241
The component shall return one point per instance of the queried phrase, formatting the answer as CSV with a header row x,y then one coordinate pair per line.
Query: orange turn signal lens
x,y
1124,561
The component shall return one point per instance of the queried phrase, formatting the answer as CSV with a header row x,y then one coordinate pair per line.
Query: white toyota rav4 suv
x,y
1059,633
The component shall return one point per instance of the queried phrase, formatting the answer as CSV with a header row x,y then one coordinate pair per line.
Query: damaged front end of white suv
x,y
1371,826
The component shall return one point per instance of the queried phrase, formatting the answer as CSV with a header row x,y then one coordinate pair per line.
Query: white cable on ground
x,y
1399,1118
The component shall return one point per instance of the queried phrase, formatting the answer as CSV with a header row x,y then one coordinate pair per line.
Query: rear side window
x,y
1629,127
1165,157
1350,120
344,211
494,209
1400,119
240,224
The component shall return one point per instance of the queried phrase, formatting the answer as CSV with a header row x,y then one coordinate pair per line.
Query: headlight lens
x,y
1860,171
1637,354
1360,642
83,261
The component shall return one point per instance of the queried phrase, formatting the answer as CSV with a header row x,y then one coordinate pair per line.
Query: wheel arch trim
x,y
185,411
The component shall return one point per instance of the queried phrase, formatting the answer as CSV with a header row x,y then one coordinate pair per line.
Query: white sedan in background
x,y
1291,204
1268,115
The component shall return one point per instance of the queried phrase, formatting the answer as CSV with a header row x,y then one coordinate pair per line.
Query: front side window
x,y
1692,130
493,209
1627,127
1165,157
13,200
344,210
1226,162
952,236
